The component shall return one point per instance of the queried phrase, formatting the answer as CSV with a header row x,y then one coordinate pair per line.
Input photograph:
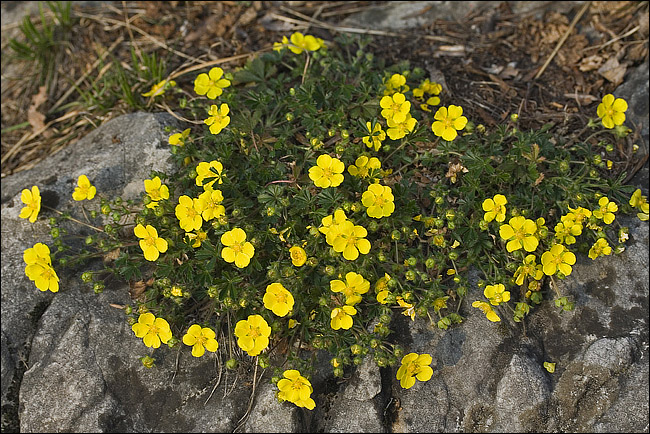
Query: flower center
x,y
520,234
254,333
237,248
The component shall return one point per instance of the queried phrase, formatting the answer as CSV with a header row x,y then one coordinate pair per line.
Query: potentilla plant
x,y
327,195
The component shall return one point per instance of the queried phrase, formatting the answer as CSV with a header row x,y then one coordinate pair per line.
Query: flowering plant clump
x,y
262,243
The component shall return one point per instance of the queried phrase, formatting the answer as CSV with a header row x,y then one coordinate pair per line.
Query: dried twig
x,y
342,29
86,74
564,38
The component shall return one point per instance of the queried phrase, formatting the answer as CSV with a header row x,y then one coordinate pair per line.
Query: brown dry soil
x,y
488,61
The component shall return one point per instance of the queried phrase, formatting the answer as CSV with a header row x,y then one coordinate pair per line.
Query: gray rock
x,y
356,408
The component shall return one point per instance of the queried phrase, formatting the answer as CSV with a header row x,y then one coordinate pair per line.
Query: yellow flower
x,y
156,190
188,212
327,172
84,189
211,171
440,303
397,130
351,241
528,268
196,238
38,253
178,139
300,43
200,339
497,294
253,334
237,249
612,111
352,288
211,84
364,166
395,107
640,202
218,118
495,208
32,201
153,330
600,247
409,309
341,317
429,87
296,389
396,83
378,199
298,256
606,210
39,267
177,291
375,137
578,215
151,244
278,299
414,366
433,100
487,310
520,232
567,230
332,226
278,46
448,121
211,204
559,258
159,88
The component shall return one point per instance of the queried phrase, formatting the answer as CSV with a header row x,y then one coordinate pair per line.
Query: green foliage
x,y
44,43
287,110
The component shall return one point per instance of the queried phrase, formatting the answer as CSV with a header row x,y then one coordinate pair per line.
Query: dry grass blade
x,y
564,37
103,20
86,74
316,23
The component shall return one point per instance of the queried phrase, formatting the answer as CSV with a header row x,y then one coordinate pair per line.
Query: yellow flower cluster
x,y
396,110
344,236
39,267
431,88
396,83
